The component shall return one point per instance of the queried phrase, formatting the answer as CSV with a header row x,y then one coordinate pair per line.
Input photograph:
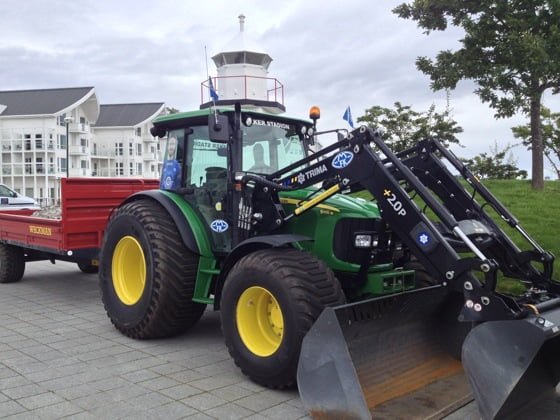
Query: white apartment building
x,y
37,125
122,143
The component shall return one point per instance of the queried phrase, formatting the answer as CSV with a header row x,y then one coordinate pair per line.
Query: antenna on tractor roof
x,y
213,94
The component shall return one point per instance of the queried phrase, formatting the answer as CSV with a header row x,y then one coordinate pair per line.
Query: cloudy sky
x,y
326,53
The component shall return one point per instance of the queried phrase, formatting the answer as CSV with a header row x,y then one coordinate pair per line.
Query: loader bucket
x,y
514,366
382,358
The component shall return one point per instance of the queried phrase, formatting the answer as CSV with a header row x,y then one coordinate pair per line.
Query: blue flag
x,y
213,93
348,117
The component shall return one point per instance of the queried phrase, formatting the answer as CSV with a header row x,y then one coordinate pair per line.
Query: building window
x,y
62,141
28,166
138,131
39,165
139,168
38,141
27,141
119,168
131,168
139,150
130,149
118,149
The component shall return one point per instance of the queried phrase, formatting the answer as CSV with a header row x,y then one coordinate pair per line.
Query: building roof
x,y
127,115
41,101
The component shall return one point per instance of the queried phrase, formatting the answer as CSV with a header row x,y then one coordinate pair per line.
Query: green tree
x,y
511,50
403,127
550,123
498,164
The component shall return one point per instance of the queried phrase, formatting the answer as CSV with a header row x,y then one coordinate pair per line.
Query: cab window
x,y
269,146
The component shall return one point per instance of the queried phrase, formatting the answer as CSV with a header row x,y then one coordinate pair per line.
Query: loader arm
x,y
347,361
364,162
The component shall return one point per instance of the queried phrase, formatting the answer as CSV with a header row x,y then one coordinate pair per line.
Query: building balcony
x,y
150,156
78,128
79,150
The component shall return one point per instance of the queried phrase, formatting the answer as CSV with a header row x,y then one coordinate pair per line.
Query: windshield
x,y
270,145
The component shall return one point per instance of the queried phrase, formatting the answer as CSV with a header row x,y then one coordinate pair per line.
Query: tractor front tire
x,y
12,263
147,275
88,268
270,299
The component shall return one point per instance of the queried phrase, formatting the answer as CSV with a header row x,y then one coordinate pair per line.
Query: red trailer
x,y
86,206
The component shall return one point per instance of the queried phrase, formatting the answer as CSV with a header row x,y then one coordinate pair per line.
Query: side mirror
x,y
218,128
158,132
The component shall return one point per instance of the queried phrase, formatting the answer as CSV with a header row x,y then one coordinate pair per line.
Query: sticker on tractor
x,y
342,160
308,175
423,238
219,225
394,202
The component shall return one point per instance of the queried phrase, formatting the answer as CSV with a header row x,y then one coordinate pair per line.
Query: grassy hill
x,y
538,213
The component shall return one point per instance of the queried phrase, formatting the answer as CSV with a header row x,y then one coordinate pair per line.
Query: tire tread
x,y
171,310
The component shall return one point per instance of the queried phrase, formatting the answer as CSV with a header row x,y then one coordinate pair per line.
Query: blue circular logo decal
x,y
342,160
219,225
423,238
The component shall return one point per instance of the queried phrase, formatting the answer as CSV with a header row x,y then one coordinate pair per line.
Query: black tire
x,y
422,278
12,263
301,285
88,268
164,306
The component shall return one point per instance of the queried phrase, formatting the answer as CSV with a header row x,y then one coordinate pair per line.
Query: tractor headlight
x,y
366,240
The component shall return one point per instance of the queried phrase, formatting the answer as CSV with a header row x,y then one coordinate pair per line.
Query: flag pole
x,y
210,86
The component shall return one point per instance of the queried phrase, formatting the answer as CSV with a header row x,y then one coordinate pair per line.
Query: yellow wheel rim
x,y
259,321
129,270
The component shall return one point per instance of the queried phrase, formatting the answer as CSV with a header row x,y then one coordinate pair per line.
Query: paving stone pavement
x,y
60,357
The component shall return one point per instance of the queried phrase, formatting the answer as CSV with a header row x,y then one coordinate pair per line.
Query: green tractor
x,y
202,239
249,219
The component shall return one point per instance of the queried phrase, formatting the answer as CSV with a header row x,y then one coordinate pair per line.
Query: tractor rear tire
x,y
147,275
12,263
270,299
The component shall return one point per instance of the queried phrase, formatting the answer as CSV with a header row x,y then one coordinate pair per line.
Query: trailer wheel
x,y
147,275
12,263
88,268
270,299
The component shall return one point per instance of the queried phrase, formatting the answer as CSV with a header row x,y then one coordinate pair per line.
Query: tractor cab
x,y
205,150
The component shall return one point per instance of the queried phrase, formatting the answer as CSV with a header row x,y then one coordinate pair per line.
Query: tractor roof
x,y
201,115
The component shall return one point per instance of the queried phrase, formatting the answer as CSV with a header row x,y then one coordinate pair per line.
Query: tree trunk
x,y
537,144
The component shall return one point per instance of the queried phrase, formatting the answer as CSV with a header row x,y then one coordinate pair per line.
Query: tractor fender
x,y
248,246
176,214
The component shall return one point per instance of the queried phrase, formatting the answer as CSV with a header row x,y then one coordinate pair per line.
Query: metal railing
x,y
274,88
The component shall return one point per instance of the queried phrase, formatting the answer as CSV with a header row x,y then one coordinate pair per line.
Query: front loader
x,y
367,304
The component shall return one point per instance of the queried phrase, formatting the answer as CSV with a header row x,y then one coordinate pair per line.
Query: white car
x,y
9,199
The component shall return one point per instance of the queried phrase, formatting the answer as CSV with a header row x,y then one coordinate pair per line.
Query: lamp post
x,y
67,121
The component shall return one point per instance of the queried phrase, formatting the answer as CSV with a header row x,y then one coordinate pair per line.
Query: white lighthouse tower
x,y
243,77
